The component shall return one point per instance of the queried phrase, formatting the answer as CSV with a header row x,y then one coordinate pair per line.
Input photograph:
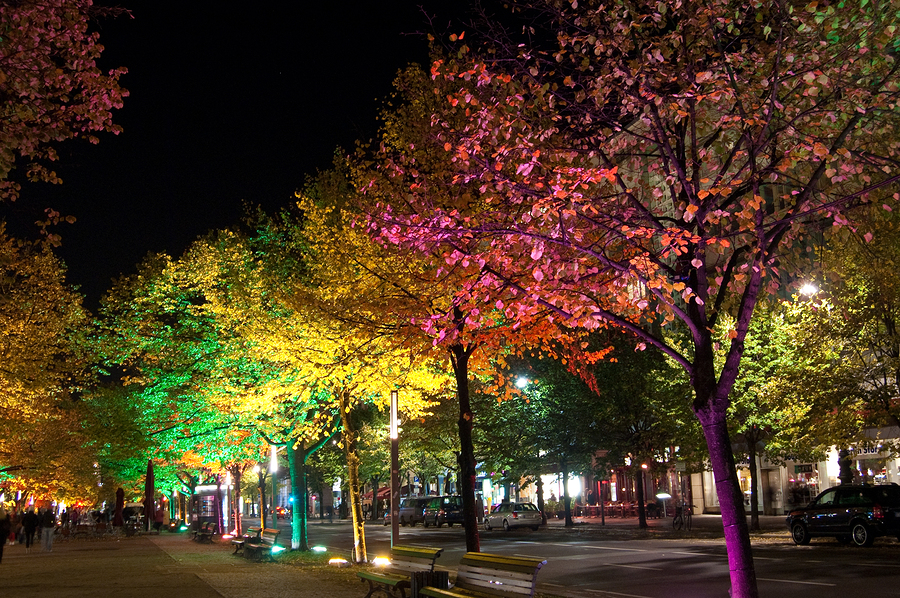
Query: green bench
x,y
251,536
484,575
264,547
410,566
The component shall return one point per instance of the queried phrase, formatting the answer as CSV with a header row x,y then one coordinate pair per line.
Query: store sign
x,y
867,450
803,468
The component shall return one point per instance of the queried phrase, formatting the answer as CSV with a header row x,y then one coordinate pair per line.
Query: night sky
x,y
230,103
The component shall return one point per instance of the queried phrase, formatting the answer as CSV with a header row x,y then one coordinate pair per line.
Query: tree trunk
x,y
460,358
540,498
300,515
352,455
262,501
734,518
639,491
220,519
567,500
374,509
236,474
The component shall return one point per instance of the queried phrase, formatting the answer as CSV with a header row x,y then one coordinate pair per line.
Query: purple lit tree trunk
x,y
734,519
460,358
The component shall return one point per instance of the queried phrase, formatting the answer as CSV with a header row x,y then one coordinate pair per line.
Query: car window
x,y
826,499
527,506
853,498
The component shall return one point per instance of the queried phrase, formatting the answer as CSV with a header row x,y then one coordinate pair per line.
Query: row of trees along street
x,y
616,200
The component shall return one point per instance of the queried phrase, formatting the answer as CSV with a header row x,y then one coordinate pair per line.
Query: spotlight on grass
x,y
319,549
381,561
339,562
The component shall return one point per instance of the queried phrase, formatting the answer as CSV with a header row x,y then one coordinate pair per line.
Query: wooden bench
x,y
407,562
482,575
205,532
263,547
251,536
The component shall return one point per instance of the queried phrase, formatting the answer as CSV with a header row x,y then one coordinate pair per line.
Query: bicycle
x,y
682,517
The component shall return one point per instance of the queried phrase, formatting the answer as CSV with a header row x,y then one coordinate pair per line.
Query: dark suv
x,y
444,509
412,510
850,513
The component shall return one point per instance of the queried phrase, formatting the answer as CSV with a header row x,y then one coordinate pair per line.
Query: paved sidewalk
x,y
163,566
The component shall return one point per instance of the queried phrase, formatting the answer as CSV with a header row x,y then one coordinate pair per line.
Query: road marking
x,y
806,583
608,593
622,549
631,566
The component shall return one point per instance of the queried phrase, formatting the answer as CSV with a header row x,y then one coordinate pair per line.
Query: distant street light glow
x,y
522,382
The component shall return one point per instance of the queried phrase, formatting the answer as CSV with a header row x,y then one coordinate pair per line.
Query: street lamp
x,y
395,472
809,289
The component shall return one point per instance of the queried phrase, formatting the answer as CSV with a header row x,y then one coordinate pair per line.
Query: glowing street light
x,y
809,289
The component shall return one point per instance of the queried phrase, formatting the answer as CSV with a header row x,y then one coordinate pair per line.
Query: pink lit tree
x,y
651,163
51,89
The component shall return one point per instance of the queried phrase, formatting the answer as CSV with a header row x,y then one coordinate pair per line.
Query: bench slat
x,y
415,552
385,578
500,562
504,576
483,574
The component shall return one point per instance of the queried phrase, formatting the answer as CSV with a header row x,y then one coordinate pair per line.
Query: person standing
x,y
48,522
5,526
29,524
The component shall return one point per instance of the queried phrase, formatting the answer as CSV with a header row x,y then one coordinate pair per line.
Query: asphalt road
x,y
590,562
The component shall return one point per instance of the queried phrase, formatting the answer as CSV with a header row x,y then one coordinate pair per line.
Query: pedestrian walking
x,y
5,526
29,524
48,522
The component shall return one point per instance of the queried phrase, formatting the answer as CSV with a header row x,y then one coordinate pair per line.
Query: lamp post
x,y
395,472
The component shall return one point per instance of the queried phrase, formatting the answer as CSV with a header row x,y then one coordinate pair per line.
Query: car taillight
x,y
877,512
515,514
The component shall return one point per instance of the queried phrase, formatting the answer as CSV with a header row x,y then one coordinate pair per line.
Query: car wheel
x,y
424,523
505,525
861,535
799,534
487,525
437,523
449,524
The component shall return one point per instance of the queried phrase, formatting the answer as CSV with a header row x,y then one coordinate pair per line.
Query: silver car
x,y
514,514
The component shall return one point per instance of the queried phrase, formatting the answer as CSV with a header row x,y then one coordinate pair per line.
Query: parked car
x,y
412,510
444,509
850,513
514,514
282,513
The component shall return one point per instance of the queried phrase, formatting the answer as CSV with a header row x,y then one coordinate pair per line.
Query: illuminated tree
x,y
51,89
632,164
45,367
418,292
